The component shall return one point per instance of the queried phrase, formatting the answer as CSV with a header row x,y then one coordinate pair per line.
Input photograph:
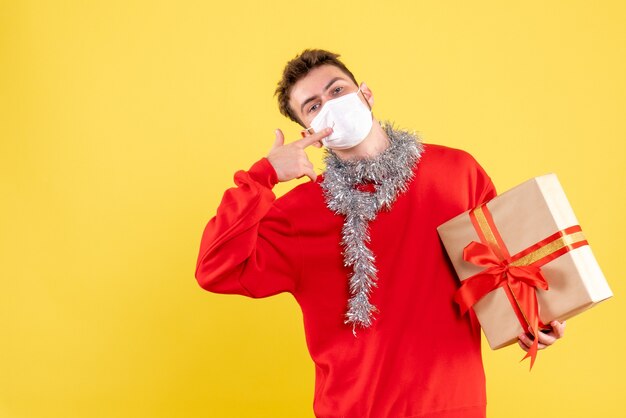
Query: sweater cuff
x,y
264,173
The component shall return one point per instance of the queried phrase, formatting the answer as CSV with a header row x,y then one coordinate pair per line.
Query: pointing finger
x,y
312,139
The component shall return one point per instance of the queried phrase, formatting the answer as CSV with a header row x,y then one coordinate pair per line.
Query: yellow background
x,y
122,122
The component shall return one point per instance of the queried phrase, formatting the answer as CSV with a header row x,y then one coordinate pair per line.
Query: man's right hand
x,y
290,161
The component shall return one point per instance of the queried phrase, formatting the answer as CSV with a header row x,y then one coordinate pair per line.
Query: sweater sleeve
x,y
249,246
486,189
483,189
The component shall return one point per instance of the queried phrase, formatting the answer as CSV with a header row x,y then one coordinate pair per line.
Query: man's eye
x,y
314,107
337,90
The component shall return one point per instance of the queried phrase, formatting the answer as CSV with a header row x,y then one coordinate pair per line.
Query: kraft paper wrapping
x,y
525,215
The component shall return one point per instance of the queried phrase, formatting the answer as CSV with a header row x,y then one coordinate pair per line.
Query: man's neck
x,y
376,142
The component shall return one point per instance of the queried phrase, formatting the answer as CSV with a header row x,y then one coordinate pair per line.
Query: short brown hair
x,y
297,69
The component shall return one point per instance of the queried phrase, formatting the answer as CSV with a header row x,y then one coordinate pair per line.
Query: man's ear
x,y
367,93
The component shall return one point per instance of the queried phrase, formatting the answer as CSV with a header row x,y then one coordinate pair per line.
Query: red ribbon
x,y
519,283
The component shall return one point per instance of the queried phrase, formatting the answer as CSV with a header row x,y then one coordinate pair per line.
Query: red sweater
x,y
420,358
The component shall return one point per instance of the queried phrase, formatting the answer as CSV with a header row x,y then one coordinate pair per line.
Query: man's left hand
x,y
545,338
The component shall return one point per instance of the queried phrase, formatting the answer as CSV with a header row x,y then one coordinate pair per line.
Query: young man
x,y
358,249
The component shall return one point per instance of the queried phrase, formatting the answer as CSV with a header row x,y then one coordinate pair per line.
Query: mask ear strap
x,y
368,103
359,90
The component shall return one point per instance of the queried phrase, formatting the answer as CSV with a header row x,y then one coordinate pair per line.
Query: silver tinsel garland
x,y
390,172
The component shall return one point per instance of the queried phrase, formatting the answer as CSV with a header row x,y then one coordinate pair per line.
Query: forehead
x,y
313,83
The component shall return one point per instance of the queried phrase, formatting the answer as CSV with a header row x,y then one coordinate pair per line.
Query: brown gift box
x,y
524,216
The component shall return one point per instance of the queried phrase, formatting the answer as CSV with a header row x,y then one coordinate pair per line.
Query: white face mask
x,y
350,119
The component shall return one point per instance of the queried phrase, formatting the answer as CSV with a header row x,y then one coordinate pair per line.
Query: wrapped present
x,y
523,262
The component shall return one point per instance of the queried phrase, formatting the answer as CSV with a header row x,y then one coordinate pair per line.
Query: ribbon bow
x,y
518,281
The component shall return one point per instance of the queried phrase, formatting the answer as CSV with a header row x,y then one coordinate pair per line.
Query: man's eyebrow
x,y
330,83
